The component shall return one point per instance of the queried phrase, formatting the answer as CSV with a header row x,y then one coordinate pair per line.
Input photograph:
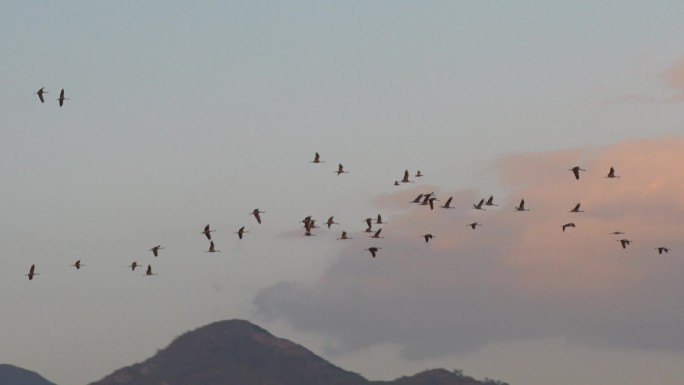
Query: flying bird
x,y
212,249
396,183
149,271
344,236
155,250
418,199
479,205
474,225
377,234
567,225
575,170
32,272
522,206
576,209
317,159
133,265
418,174
448,202
406,178
611,173
662,249
617,233
427,237
241,231
78,264
340,170
331,222
373,250
207,232
624,242
369,223
379,220
431,201
40,94
257,214
61,98
490,201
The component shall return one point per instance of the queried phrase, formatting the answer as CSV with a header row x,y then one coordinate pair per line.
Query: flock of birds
x,y
426,199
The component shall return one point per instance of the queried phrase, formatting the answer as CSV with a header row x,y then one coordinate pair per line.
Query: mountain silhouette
x,y
12,375
241,353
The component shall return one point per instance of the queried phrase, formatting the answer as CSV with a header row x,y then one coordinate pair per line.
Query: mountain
x,y
241,353
12,375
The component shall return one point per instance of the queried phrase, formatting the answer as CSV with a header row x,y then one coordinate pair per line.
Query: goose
x,y
78,264
317,159
479,205
155,250
418,174
212,249
624,242
617,233
490,201
575,170
149,271
522,206
241,231
340,170
331,222
662,249
379,221
427,237
207,232
344,236
61,98
373,250
567,225
133,265
611,173
474,225
448,202
431,201
257,214
32,272
377,234
418,199
576,209
406,178
40,94
396,183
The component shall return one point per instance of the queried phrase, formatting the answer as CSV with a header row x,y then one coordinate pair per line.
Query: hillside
x,y
12,375
238,352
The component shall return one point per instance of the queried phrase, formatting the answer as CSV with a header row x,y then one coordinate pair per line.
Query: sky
x,y
183,114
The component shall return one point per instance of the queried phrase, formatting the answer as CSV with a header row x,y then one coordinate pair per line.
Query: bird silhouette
x,y
133,265
340,170
149,271
490,201
241,231
78,264
575,170
155,250
611,173
212,249
567,225
377,234
662,250
61,98
317,159
406,177
373,250
428,237
40,94
473,225
624,242
522,206
447,204
479,205
576,209
418,174
32,272
331,222
207,232
257,214
344,236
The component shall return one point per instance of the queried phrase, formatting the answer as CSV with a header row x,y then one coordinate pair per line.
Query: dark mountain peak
x,y
241,353
10,374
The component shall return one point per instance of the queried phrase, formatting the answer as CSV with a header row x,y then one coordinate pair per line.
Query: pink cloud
x,y
517,276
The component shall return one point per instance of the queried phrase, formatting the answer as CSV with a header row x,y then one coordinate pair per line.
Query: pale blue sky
x,y
183,114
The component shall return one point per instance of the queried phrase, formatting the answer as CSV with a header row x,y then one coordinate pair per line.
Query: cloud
x,y
518,277
674,77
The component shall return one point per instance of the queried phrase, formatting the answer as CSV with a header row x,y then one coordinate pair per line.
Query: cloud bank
x,y
518,276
